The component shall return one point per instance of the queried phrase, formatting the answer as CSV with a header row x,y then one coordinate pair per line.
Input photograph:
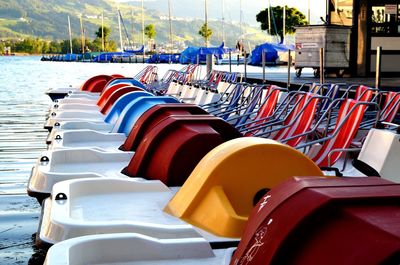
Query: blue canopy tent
x,y
140,51
271,52
189,55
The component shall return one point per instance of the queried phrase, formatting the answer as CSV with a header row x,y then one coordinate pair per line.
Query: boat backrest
x,y
390,107
170,150
300,120
116,95
132,112
351,113
123,102
125,80
364,93
105,95
329,217
96,83
219,194
268,106
331,91
152,117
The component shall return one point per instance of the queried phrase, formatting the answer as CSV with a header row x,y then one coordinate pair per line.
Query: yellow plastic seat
x,y
219,194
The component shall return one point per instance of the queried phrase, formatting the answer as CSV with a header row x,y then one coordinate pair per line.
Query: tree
x,y
106,30
293,18
97,42
150,31
205,32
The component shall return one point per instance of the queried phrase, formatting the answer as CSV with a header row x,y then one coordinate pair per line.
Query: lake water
x,y
23,106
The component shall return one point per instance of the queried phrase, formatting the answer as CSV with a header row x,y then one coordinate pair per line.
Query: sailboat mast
x,y
70,34
120,31
82,36
170,26
143,25
102,31
309,13
241,19
269,17
223,21
284,23
206,21
133,29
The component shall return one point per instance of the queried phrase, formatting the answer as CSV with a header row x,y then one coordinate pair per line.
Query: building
x,y
374,23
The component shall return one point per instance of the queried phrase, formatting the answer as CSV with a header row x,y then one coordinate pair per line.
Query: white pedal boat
x,y
56,166
111,141
365,207
111,118
120,101
214,189
116,114
94,84
154,135
130,248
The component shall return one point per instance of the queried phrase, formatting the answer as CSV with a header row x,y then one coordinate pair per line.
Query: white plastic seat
x,y
77,100
113,205
87,139
78,125
73,116
59,165
132,248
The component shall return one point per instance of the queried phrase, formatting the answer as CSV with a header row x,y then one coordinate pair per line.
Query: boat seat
x,y
125,80
219,194
351,113
82,214
178,143
379,155
123,125
321,221
116,95
106,125
345,216
391,106
132,112
96,83
152,117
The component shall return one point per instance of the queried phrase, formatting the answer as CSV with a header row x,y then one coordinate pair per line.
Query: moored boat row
x,y
206,171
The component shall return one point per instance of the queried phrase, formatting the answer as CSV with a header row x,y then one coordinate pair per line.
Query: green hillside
x,y
48,20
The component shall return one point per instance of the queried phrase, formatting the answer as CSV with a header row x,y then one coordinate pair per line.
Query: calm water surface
x,y
23,106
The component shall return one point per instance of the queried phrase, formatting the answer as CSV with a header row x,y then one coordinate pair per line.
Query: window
x,y
385,19
341,12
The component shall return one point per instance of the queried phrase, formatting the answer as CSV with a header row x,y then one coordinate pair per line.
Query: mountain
x,y
48,19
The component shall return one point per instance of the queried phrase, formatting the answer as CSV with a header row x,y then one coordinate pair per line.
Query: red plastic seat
x,y
391,106
364,93
172,149
341,136
105,95
300,120
268,106
96,83
152,117
326,221
116,95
